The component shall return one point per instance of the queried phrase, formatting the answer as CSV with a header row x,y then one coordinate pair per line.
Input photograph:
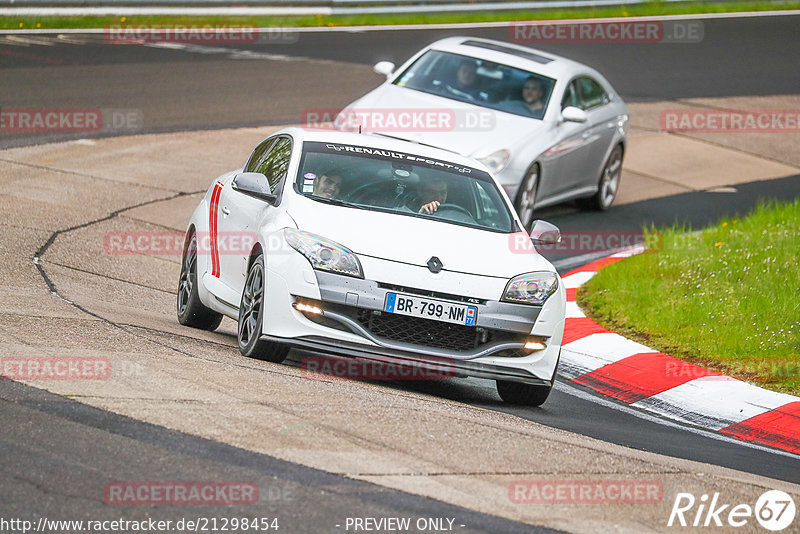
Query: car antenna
x,y
359,127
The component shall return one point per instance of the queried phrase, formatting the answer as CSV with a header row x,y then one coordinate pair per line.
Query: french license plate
x,y
426,308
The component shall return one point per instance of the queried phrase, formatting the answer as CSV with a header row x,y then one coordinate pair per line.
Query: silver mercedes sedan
x,y
549,128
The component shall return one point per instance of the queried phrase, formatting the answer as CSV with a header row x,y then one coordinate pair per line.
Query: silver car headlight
x,y
496,161
324,254
531,288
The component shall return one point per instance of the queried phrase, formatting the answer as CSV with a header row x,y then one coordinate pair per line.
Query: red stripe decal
x,y
640,376
213,231
595,266
216,232
777,428
577,328
571,294
212,214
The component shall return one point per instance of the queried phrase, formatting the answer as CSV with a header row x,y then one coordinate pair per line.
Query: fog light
x,y
306,307
535,343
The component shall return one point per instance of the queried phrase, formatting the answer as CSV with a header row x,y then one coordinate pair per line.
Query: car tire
x,y
609,183
526,196
524,394
251,316
191,311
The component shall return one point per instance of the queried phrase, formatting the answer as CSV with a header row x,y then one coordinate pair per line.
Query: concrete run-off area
x,y
120,307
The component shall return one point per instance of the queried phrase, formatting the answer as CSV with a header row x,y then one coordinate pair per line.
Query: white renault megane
x,y
375,248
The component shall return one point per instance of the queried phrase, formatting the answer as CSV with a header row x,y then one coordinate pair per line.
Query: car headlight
x,y
531,288
496,161
324,254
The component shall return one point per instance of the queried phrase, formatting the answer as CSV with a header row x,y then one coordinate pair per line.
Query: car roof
x,y
384,142
531,59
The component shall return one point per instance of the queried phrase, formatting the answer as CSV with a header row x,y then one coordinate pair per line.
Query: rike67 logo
x,y
774,510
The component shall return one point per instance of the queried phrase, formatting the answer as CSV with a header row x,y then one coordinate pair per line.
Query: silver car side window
x,y
571,96
592,93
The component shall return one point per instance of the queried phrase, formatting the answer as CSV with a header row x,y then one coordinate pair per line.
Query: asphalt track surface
x,y
57,452
738,57
180,89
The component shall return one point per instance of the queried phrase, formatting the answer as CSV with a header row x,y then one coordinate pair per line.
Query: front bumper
x,y
352,306
437,366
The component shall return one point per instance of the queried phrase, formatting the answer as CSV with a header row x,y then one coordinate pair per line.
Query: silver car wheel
x,y
609,183
526,198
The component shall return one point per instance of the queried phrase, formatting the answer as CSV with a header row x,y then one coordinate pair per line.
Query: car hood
x,y
414,240
498,130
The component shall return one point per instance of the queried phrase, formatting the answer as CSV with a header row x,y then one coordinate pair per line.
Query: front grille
x,y
425,332
419,331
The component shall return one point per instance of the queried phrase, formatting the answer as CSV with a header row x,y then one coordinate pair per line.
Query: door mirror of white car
x,y
545,233
384,67
255,185
573,114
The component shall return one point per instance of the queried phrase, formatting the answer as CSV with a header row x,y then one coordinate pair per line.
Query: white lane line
x,y
38,40
443,26
75,40
233,53
578,393
188,11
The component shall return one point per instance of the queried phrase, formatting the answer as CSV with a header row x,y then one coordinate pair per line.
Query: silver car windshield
x,y
406,184
479,82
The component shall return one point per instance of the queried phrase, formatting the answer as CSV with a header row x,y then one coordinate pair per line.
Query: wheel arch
x,y
256,251
188,237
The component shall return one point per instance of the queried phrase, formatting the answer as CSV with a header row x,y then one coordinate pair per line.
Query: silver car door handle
x,y
225,210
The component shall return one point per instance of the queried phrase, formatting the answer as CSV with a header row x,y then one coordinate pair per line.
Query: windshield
x,y
406,184
479,82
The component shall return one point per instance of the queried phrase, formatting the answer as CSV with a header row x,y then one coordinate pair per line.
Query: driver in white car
x,y
327,185
430,195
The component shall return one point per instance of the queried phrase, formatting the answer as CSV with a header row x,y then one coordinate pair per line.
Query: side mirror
x,y
573,114
255,185
545,233
384,67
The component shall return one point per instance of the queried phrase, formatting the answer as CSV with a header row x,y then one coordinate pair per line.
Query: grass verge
x,y
650,8
726,298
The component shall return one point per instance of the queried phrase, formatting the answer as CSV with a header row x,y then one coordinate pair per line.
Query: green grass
x,y
651,8
726,298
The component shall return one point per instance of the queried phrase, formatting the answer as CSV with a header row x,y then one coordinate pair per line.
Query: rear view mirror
x,y
545,233
384,67
573,114
255,185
